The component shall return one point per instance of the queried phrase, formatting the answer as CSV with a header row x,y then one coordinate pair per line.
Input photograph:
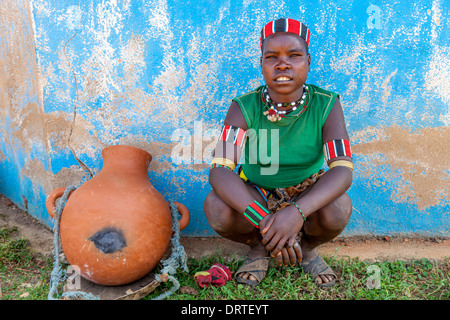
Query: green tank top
x,y
284,153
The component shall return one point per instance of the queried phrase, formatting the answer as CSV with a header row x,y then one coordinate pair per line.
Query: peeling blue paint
x,y
135,71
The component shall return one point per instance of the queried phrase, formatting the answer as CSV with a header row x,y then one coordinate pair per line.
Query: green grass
x,y
25,275
398,280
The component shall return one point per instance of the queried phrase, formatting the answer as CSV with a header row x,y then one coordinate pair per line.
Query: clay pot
x,y
116,227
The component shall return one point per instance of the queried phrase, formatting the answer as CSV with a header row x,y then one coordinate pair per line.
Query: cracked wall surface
x,y
76,77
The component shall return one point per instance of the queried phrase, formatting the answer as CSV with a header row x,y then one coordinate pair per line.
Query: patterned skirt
x,y
280,198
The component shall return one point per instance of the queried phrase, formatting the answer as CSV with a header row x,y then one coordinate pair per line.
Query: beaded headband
x,y
285,25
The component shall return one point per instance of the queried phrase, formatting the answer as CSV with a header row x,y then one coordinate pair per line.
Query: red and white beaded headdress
x,y
285,25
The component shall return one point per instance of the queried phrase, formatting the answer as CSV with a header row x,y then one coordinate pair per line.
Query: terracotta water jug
x,y
116,227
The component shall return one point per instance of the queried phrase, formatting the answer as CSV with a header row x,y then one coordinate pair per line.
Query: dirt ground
x,y
365,248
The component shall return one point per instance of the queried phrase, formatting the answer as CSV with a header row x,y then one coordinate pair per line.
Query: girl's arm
x,y
226,184
284,226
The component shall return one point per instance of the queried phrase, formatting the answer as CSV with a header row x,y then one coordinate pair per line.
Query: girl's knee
x,y
218,213
335,216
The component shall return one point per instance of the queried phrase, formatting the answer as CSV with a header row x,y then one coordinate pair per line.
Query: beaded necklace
x,y
276,115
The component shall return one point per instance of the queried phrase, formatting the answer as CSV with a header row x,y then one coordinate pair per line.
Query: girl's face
x,y
285,65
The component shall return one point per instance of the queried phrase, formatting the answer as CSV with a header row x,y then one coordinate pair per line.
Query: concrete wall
x,y
76,77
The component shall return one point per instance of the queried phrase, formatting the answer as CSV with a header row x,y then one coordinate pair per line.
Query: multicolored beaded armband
x,y
255,213
222,163
234,135
337,148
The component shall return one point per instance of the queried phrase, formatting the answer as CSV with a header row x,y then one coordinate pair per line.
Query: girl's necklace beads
x,y
276,115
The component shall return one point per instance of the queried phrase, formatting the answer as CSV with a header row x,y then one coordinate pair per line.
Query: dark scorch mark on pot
x,y
109,240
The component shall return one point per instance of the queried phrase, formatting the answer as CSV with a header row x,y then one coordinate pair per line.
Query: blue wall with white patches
x,y
76,77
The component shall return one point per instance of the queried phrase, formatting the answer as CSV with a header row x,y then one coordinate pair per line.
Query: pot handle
x,y
50,202
185,215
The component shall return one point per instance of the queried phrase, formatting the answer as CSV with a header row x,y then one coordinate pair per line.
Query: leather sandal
x,y
257,267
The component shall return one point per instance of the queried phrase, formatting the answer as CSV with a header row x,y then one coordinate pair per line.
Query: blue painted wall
x,y
160,75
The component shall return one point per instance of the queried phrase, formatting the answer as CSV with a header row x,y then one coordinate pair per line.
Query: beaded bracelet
x,y
299,210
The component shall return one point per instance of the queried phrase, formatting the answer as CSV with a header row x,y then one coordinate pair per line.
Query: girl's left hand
x,y
279,232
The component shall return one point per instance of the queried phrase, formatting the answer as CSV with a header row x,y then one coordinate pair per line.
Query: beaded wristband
x,y
255,212
299,210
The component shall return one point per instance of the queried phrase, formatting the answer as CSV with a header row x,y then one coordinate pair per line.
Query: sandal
x,y
257,267
316,267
